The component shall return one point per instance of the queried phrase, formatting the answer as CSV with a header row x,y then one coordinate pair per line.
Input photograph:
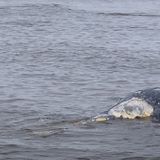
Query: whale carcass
x,y
140,104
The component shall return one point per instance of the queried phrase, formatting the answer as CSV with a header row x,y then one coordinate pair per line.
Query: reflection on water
x,y
63,62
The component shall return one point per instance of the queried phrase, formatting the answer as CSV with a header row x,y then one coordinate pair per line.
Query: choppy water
x,y
65,60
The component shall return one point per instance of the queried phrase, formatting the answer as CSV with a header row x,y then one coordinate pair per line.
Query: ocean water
x,y
62,61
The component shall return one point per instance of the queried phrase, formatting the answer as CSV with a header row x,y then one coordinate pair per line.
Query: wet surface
x,y
63,61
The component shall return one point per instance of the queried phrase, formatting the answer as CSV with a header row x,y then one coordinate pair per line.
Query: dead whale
x,y
140,104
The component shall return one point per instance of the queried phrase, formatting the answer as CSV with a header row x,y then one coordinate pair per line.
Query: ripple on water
x,y
64,61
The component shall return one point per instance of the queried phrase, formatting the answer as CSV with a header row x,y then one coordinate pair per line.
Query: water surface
x,y
64,60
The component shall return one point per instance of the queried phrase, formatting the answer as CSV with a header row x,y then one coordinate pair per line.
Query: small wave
x,y
54,124
141,158
12,100
73,8
41,5
48,133
117,14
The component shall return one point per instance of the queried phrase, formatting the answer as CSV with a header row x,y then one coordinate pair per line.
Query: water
x,y
64,60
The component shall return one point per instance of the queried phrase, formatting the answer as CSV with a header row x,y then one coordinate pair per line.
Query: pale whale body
x,y
141,104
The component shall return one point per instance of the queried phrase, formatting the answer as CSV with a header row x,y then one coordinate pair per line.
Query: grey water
x,y
62,61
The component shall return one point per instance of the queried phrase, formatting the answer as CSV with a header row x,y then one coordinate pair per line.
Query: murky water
x,y
64,60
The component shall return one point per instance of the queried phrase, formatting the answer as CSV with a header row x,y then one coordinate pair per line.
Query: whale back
x,y
151,96
140,104
131,109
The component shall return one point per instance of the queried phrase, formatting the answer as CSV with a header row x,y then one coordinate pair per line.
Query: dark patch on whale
x,y
140,104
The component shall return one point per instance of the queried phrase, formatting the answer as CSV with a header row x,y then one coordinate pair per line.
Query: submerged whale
x,y
140,104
